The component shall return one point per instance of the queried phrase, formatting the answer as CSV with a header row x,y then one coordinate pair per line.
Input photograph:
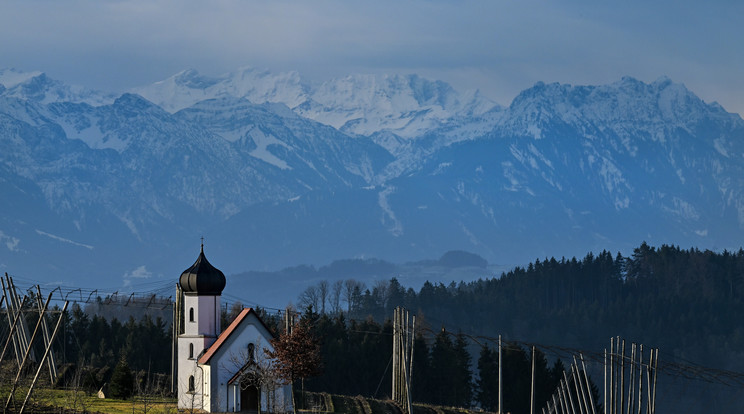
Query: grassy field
x,y
70,402
65,401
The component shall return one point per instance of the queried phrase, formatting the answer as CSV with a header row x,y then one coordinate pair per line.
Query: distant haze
x,y
499,47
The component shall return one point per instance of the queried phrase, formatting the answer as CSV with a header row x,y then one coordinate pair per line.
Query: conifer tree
x,y
422,370
122,380
488,379
462,379
443,368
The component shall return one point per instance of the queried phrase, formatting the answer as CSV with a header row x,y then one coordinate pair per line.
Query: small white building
x,y
229,372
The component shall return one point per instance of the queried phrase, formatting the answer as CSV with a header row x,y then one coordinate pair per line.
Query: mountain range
x,y
104,189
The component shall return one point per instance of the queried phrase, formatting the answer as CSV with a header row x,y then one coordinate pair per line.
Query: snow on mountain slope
x,y
39,87
175,162
562,170
409,105
279,137
626,106
633,146
10,77
188,87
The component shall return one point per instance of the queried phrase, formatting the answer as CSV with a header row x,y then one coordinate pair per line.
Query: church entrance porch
x,y
250,393
249,399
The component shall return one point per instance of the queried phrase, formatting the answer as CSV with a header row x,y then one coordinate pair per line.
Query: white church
x,y
228,371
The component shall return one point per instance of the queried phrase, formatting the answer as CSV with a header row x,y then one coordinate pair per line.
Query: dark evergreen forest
x,y
688,303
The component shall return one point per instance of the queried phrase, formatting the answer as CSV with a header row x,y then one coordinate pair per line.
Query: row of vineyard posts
x,y
22,344
624,378
428,366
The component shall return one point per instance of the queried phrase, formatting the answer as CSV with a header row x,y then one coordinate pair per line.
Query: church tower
x,y
202,286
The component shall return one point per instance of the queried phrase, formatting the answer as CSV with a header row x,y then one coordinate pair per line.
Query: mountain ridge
x,y
562,170
356,104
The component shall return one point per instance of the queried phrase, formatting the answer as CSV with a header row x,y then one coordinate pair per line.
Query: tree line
x,y
684,301
356,361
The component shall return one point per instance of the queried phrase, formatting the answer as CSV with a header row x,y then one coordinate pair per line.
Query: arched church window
x,y
191,350
191,314
191,383
251,356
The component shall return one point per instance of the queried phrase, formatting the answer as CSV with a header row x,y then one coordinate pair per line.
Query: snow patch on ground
x,y
469,234
535,131
64,240
683,209
12,77
533,149
396,227
234,135
612,176
509,170
441,168
93,137
262,152
720,145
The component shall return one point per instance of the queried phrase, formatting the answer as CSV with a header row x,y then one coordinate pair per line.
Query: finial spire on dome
x,y
202,278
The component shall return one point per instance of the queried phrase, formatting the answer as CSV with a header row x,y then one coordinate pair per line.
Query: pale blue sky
x,y
498,46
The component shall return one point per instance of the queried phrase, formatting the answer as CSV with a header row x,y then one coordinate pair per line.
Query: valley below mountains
x,y
110,190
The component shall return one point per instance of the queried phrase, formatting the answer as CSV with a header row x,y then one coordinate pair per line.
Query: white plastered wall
x,y
232,356
200,333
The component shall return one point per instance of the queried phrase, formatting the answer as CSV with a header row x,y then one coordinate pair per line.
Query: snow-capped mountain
x,y
37,86
408,106
188,87
275,171
596,164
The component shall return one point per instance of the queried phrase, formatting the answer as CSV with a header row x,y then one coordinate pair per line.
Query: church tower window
x,y
251,349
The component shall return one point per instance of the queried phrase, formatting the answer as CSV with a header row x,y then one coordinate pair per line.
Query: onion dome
x,y
202,278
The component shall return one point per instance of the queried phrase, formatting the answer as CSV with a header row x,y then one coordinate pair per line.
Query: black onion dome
x,y
202,278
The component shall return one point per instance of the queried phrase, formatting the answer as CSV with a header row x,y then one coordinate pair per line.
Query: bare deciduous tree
x,y
296,354
381,292
235,310
144,391
310,297
323,295
335,300
76,398
351,286
260,371
191,399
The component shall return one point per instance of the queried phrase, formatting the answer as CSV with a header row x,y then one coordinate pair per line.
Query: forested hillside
x,y
688,303
683,301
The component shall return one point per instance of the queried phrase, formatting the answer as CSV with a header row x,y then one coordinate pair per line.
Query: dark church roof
x,y
202,278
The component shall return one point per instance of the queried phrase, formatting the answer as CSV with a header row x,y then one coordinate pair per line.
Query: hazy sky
x,y
499,47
